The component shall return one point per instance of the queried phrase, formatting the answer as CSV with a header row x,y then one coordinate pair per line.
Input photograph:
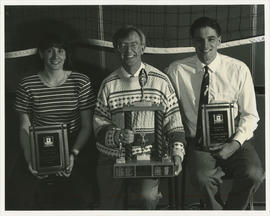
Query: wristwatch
x,y
75,153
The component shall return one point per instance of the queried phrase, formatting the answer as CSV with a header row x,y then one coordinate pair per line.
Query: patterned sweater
x,y
120,89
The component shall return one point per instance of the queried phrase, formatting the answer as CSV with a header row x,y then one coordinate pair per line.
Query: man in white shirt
x,y
229,81
123,87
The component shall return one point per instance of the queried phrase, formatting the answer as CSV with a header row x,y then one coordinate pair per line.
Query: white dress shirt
x,y
128,75
230,81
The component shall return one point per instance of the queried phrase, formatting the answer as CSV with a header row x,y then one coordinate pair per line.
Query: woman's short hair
x,y
124,32
54,40
204,22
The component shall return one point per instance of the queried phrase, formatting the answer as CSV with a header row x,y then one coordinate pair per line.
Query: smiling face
x,y
130,50
206,41
53,58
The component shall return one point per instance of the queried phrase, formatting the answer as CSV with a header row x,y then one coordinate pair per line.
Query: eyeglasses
x,y
122,47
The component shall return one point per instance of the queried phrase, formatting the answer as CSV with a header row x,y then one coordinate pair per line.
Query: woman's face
x,y
53,58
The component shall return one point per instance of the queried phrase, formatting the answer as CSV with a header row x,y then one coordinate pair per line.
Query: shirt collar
x,y
136,74
212,67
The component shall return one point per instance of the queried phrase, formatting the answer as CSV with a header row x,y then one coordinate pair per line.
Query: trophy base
x,y
143,157
120,160
144,169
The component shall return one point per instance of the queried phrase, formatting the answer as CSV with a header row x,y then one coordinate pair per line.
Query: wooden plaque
x,y
49,148
217,124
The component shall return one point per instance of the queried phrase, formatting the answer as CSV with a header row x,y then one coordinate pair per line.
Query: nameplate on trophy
x,y
49,148
144,169
217,124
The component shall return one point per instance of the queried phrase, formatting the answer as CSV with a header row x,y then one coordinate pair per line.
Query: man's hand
x,y
178,163
226,150
125,136
35,173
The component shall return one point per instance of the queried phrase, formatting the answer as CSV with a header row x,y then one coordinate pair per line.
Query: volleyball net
x,y
166,27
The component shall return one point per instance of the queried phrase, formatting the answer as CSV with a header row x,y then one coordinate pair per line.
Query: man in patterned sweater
x,y
120,88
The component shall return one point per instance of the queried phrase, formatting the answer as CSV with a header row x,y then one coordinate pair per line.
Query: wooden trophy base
x,y
144,169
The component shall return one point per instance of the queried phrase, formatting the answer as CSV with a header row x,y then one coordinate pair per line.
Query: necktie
x,y
203,100
142,81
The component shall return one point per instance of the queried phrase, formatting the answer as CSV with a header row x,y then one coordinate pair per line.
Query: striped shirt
x,y
55,105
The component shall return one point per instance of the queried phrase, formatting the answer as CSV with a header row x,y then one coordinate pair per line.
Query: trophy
x,y
49,148
217,124
149,154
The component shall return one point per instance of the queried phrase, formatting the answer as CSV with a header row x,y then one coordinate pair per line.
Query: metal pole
x,y
254,32
101,35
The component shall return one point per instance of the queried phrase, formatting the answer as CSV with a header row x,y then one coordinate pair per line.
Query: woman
x,y
56,95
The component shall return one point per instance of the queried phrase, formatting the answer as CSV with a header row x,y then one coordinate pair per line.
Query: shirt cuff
x,y
239,138
178,150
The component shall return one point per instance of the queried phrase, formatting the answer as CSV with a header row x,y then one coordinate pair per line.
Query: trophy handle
x,y
159,134
128,125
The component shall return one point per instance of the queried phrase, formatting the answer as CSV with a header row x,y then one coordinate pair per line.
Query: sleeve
x,y
173,126
247,108
87,97
22,100
104,128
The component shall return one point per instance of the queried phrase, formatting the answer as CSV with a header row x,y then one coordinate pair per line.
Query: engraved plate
x,y
145,169
49,148
217,124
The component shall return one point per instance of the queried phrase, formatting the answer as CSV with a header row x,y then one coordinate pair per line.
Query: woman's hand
x,y
35,173
68,170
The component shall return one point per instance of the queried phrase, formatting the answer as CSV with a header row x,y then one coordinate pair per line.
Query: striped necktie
x,y
203,100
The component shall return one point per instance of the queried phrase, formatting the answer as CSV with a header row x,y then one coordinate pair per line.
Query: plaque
x,y
217,124
49,148
149,155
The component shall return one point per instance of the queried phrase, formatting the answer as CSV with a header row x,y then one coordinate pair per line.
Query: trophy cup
x,y
49,148
217,124
149,155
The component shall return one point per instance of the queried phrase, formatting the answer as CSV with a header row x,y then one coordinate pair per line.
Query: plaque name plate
x,y
144,169
157,162
217,124
49,148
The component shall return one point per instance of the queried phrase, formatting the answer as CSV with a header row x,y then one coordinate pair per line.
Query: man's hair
x,y
124,32
205,22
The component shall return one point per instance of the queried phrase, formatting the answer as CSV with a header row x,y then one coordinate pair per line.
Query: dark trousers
x,y
26,192
112,191
206,173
